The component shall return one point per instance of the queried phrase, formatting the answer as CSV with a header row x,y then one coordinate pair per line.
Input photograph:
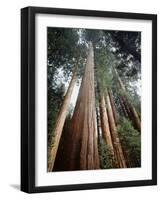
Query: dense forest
x,y
94,109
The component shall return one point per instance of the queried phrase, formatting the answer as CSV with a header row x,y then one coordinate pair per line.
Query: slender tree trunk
x,y
98,125
57,131
136,119
114,134
123,108
128,163
113,106
105,125
132,111
84,150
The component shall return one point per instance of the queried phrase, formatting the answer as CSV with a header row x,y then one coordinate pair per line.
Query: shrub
x,y
104,155
131,142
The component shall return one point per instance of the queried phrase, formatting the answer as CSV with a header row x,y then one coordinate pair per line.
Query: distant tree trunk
x,y
105,125
125,102
84,150
128,163
113,106
98,125
125,113
132,111
57,131
116,142
136,119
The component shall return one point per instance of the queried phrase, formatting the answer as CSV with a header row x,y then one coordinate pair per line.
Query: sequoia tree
x,y
105,125
84,151
57,131
132,113
64,52
116,141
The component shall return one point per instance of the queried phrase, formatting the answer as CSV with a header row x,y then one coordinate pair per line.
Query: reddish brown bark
x,y
123,108
113,106
116,142
84,150
105,125
57,131
135,119
95,142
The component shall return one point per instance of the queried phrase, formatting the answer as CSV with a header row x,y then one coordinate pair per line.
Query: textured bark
x,y
129,107
105,125
95,142
84,150
57,131
135,117
113,106
116,142
123,108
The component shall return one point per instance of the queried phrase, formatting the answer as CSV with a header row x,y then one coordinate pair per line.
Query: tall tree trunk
x,y
125,113
105,125
116,142
113,106
132,111
57,131
136,119
95,141
84,150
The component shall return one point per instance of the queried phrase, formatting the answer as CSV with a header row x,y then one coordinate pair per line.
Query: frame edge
x,y
24,100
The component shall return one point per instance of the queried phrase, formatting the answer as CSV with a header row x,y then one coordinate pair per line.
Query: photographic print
x,y
88,99
94,99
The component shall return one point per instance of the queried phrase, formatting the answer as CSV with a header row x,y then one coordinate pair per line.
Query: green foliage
x,y
65,50
92,35
61,45
103,69
126,43
131,141
132,97
104,155
132,92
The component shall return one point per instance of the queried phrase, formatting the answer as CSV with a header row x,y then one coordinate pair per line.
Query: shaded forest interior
x,y
94,109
